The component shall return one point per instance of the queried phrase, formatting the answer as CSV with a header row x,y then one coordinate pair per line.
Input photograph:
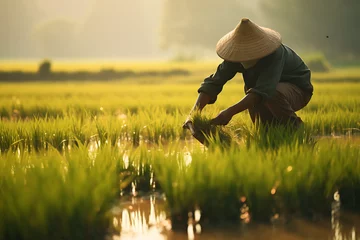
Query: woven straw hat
x,y
247,42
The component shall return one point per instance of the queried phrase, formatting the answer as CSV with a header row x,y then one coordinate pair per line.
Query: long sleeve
x,y
270,74
213,84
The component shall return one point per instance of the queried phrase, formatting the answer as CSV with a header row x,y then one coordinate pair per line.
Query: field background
x,y
333,106
73,148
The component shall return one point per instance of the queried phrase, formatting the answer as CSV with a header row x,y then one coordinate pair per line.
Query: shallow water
x,y
146,218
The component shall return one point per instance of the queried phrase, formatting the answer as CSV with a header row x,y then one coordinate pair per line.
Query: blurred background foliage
x,y
161,29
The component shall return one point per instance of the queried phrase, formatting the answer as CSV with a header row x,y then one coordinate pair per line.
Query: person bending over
x,y
277,81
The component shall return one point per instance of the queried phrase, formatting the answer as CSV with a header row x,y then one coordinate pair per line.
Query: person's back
x,y
296,71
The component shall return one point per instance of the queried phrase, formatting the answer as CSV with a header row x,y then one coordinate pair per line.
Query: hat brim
x,y
249,47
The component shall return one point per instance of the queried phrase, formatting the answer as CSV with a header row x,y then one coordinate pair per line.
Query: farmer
x,y
277,81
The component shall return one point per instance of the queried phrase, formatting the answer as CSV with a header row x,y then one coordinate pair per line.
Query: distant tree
x,y
330,26
56,38
44,68
200,23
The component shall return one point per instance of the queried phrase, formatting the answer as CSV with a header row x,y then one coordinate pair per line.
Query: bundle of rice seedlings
x,y
211,133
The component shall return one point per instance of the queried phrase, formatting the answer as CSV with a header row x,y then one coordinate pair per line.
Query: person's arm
x,y
213,85
202,100
247,102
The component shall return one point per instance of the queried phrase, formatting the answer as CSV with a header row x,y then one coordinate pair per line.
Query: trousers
x,y
282,107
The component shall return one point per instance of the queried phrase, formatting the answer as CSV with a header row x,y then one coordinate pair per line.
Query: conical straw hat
x,y
247,42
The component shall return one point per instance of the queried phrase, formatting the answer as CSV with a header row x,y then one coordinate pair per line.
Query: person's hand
x,y
187,121
223,118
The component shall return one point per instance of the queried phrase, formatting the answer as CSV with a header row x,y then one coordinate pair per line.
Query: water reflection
x,y
126,160
93,148
187,158
194,227
141,218
146,218
335,216
342,230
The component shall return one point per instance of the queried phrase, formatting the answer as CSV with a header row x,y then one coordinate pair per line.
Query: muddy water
x,y
146,218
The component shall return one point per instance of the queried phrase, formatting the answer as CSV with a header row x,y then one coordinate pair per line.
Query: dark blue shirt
x,y
283,65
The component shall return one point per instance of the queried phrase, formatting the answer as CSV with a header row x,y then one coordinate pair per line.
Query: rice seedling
x,y
292,179
68,100
55,196
205,132
8,138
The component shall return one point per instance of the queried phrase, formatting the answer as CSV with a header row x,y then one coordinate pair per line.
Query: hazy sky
x,y
82,28
77,10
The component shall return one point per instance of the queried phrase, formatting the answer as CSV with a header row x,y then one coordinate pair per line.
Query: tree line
x,y
328,26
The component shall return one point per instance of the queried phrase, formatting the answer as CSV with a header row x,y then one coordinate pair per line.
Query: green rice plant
x,y
21,143
114,131
301,182
333,108
275,137
37,137
43,112
159,127
4,113
220,191
7,138
37,134
58,197
135,135
211,133
332,123
294,178
257,181
58,135
137,171
143,169
77,130
102,134
176,182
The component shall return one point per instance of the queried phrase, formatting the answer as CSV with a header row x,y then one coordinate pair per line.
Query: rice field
x,y
70,151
